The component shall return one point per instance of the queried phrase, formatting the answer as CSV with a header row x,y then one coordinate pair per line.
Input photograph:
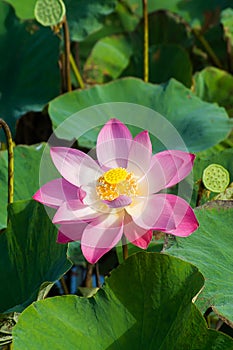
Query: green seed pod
x,y
49,12
226,195
216,178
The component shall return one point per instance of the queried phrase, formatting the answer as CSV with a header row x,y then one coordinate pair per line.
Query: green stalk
x,y
97,275
201,189
76,72
146,41
124,247
7,132
64,285
89,273
67,54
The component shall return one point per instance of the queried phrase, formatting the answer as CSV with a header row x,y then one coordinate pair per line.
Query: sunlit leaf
x,y
146,303
200,124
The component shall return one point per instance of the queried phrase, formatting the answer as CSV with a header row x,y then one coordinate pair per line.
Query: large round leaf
x,y
29,73
200,124
145,304
29,255
26,175
210,249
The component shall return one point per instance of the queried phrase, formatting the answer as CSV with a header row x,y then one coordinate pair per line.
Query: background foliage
x,y
190,55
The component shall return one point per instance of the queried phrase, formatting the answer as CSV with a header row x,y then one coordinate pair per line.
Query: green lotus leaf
x,y
29,74
26,175
199,124
109,57
215,85
146,303
29,255
210,249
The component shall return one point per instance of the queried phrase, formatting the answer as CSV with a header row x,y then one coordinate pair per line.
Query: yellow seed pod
x,y
216,178
116,175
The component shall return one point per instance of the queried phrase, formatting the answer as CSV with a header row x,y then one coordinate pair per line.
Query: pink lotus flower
x,y
99,201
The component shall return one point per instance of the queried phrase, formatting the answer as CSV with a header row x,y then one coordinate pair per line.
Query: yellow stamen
x,y
116,182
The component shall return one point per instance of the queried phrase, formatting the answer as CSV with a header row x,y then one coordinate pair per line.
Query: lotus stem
x,y
146,41
10,151
124,248
64,285
97,275
76,72
66,35
88,278
201,189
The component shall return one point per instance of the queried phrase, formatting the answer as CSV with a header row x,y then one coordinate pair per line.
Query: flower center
x,y
116,182
115,176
